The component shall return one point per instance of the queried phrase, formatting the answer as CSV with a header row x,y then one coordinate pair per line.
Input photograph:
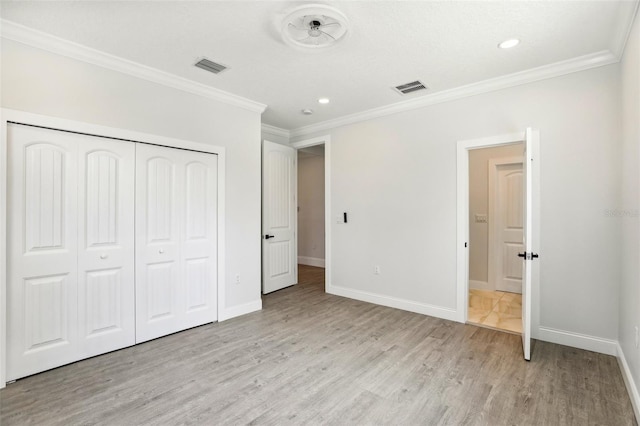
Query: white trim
x,y
239,310
557,69
3,249
311,261
480,285
626,13
493,237
274,131
311,142
632,387
326,140
394,302
9,115
38,39
577,340
462,220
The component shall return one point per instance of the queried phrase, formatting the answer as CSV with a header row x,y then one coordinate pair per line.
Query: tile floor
x,y
496,309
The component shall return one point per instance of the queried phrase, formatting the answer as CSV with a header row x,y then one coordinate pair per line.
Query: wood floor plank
x,y
313,358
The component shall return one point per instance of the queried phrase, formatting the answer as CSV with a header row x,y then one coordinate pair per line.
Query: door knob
x,y
266,237
522,254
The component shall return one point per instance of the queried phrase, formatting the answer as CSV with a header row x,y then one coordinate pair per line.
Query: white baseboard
x,y
236,311
577,340
311,261
393,302
631,385
480,285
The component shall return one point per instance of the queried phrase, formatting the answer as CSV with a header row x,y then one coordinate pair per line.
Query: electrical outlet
x,y
376,270
237,278
637,338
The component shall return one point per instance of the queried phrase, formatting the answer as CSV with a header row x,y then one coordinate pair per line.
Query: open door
x,y
279,248
528,256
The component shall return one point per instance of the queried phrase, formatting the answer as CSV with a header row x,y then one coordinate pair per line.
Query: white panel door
x,y
42,250
199,237
176,242
279,252
106,286
528,256
509,222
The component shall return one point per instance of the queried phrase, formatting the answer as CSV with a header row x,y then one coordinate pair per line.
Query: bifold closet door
x,y
70,285
106,291
176,240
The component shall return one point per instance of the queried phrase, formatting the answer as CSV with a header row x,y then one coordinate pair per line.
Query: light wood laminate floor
x,y
314,358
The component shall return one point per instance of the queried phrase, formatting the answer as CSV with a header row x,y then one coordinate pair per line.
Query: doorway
x,y
314,233
531,227
495,237
311,215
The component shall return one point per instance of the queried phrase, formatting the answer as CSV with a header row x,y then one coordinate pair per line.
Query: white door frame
x,y
21,117
492,270
326,140
462,255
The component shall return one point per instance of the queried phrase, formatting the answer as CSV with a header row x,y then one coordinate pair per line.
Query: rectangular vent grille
x,y
210,66
407,88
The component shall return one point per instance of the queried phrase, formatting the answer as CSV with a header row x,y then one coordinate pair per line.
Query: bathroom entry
x,y
495,237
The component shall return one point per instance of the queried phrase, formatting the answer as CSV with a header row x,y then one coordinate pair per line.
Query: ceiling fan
x,y
314,26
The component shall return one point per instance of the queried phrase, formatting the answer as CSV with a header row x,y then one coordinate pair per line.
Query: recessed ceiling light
x,y
307,111
323,100
507,44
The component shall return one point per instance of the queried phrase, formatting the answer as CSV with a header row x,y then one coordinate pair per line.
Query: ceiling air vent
x,y
210,66
414,86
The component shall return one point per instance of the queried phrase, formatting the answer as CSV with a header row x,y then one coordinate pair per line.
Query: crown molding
x,y
38,39
275,131
626,15
557,69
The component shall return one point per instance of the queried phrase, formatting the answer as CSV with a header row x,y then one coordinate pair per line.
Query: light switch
x,y
481,218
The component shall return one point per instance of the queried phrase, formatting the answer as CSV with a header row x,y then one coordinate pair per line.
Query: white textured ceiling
x,y
444,44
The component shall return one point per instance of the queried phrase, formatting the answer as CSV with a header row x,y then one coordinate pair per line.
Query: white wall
x,y
311,209
396,176
49,84
479,204
628,211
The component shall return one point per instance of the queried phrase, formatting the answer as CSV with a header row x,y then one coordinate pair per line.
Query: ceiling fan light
x,y
314,26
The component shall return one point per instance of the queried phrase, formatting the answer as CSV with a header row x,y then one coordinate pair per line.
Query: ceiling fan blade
x,y
297,28
302,40
327,34
329,24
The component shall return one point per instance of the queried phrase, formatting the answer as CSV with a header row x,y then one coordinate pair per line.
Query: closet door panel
x,y
41,250
158,196
176,240
199,238
106,235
